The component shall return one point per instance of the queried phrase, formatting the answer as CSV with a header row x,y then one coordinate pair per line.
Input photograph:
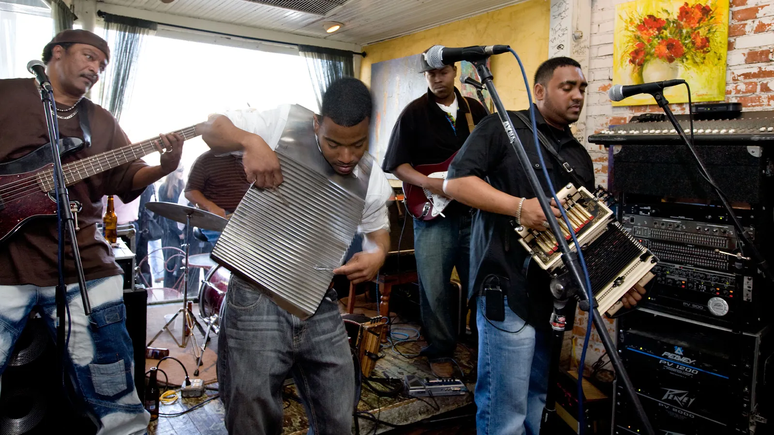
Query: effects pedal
x,y
416,387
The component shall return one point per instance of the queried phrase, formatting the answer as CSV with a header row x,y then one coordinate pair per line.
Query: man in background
x,y
429,131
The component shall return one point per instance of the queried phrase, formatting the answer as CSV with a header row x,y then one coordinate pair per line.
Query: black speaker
x,y
136,302
694,378
668,170
32,394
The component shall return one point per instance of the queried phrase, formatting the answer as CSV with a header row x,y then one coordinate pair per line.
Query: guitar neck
x,y
76,171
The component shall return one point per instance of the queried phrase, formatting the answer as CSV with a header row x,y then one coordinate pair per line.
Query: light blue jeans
x,y
512,374
100,350
439,246
260,344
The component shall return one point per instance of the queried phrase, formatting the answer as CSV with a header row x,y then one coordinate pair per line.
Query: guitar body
x,y
33,204
421,203
18,209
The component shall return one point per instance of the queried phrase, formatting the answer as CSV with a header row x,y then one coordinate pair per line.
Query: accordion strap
x,y
547,146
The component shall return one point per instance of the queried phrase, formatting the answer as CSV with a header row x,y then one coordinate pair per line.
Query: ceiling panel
x,y
365,21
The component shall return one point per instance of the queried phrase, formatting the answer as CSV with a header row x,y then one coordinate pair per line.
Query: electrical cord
x,y
187,381
197,406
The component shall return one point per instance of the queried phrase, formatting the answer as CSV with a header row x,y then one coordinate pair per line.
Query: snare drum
x,y
212,292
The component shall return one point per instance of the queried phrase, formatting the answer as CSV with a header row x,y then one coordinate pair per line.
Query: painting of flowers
x,y
667,39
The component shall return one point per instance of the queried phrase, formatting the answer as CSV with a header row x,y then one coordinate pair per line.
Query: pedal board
x,y
416,387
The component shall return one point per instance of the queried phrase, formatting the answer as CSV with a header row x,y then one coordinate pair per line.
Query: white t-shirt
x,y
451,109
269,125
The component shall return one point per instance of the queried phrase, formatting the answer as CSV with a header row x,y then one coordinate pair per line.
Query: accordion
x,y
615,260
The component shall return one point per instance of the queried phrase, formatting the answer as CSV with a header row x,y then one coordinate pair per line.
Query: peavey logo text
x,y
678,356
678,396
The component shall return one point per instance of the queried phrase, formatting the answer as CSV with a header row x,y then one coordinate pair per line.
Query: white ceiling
x,y
365,21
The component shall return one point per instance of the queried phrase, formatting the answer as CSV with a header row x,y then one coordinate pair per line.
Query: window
x,y
179,83
25,28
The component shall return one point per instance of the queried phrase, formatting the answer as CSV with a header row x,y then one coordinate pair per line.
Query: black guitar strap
x,y
576,180
83,119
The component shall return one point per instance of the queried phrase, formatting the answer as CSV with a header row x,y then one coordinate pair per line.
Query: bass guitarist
x,y
99,349
429,131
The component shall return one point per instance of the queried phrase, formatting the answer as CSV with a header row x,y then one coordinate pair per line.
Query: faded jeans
x,y
260,344
99,349
512,374
439,246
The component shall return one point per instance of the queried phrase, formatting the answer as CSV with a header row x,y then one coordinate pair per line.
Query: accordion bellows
x,y
287,242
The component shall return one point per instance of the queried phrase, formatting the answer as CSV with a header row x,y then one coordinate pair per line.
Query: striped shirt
x,y
220,178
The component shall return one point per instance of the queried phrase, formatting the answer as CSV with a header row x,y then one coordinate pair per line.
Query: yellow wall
x,y
523,26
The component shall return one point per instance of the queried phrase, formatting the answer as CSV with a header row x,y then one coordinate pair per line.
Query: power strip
x,y
416,387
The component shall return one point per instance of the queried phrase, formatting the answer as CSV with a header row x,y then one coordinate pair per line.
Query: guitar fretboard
x,y
76,171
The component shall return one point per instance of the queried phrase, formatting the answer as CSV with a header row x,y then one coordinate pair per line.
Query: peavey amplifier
x,y
694,379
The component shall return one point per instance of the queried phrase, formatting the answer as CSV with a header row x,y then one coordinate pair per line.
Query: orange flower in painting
x,y
669,50
692,16
700,43
650,26
637,56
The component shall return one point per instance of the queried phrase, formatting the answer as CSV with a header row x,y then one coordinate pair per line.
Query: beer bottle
x,y
110,222
151,399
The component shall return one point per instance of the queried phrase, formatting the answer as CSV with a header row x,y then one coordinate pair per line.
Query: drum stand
x,y
189,319
211,326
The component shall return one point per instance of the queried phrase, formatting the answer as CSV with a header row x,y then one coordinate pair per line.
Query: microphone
x,y
38,69
437,56
619,92
473,82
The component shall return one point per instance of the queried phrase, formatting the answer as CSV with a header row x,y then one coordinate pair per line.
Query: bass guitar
x,y
421,203
27,183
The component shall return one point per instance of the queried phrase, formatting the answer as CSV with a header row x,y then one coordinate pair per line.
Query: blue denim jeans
x,y
512,374
211,235
100,350
439,246
260,344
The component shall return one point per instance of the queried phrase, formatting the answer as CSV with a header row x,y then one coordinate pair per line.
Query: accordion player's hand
x,y
532,215
634,295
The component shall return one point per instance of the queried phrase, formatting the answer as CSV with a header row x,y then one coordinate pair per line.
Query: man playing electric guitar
x,y
429,131
99,349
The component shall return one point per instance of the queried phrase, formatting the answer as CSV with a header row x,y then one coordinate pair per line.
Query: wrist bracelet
x,y
518,212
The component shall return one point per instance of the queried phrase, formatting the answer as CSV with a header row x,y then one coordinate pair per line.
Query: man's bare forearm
x,y
479,194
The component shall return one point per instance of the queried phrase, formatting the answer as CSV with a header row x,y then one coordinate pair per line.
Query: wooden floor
x,y
444,415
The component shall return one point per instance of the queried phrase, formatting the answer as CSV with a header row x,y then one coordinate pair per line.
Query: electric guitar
x,y
421,203
27,183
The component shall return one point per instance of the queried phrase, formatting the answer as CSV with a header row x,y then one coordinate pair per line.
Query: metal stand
x,y
570,260
66,228
211,326
189,319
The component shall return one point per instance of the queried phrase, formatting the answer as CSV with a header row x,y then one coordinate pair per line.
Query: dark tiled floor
x,y
206,416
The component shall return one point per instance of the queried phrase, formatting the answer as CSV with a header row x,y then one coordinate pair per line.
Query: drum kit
x,y
212,290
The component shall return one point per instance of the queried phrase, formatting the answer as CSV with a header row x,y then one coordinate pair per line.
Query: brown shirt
x,y
220,178
30,255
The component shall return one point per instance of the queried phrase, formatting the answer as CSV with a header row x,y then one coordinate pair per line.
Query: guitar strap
x,y
85,110
547,146
468,116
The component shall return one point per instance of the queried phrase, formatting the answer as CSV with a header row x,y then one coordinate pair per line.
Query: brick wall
x,y
749,73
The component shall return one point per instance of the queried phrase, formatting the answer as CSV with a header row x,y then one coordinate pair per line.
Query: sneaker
x,y
442,369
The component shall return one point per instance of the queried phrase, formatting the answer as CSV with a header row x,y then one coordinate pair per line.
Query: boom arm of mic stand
x,y
762,264
570,261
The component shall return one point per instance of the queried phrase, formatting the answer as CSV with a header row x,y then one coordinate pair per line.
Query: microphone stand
x,y
560,292
762,263
65,227
479,91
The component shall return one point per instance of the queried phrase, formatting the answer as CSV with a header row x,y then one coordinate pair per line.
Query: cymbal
x,y
201,260
179,213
